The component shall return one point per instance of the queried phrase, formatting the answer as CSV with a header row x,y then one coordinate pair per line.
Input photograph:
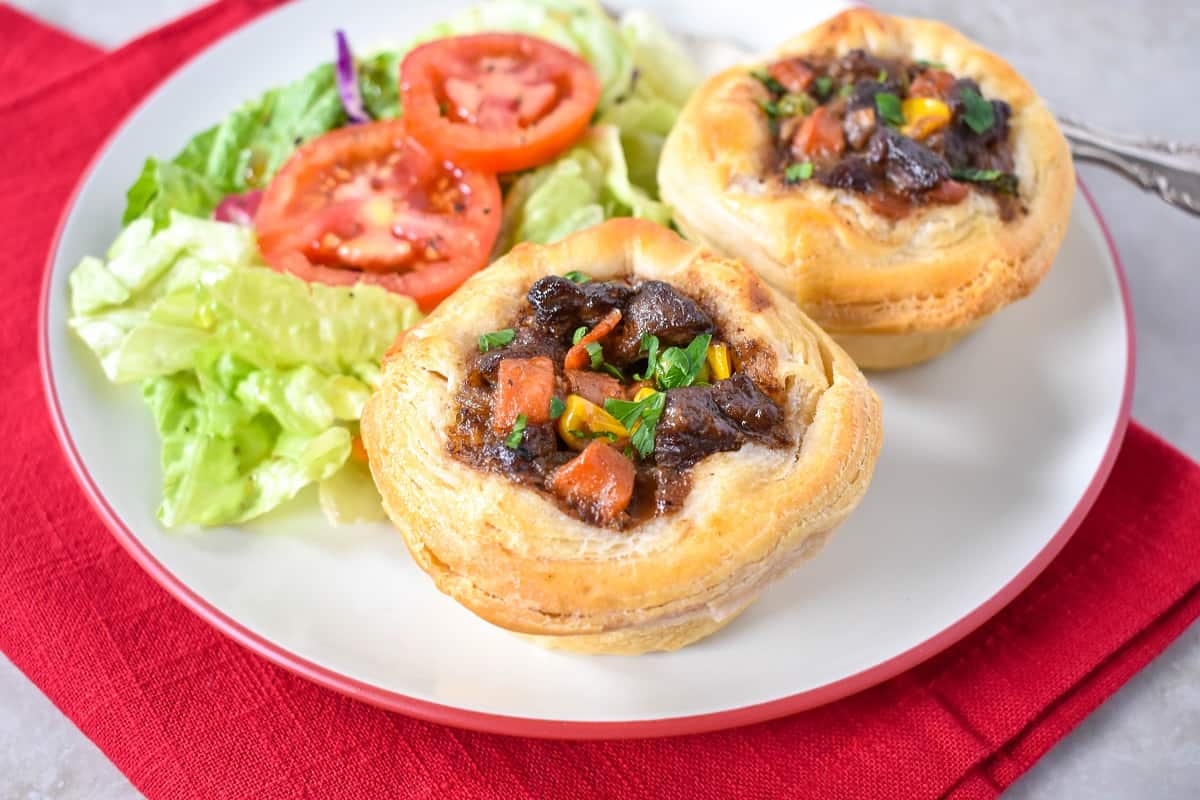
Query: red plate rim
x,y
570,729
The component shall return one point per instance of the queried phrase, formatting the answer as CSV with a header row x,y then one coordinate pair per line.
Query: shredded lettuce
x,y
255,379
645,77
249,146
588,185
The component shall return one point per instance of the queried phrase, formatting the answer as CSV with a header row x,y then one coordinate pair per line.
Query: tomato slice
x,y
369,203
497,101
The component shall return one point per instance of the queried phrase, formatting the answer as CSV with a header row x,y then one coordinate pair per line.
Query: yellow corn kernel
x,y
587,417
717,359
924,116
642,394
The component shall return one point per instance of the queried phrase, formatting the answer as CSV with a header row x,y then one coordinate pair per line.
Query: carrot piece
x,y
793,74
598,482
819,135
523,386
595,387
358,450
577,356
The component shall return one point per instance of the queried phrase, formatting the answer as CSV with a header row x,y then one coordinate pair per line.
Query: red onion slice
x,y
347,82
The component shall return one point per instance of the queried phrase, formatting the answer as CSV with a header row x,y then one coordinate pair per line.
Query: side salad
x,y
263,271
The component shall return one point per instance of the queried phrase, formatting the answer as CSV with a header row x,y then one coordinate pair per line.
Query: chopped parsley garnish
x,y
648,348
595,352
495,339
681,366
513,441
576,276
798,172
923,64
1003,182
579,333
639,418
796,103
823,86
608,435
888,106
978,113
557,407
766,80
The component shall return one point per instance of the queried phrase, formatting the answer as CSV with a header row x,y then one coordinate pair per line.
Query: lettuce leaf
x,y
256,379
588,185
249,146
645,77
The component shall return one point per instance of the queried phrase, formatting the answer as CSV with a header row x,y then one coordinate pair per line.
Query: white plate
x,y
991,457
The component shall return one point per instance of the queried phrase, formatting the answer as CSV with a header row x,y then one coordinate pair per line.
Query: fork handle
x,y
1172,169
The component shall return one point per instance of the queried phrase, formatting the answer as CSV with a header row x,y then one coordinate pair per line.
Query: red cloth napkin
x,y
186,713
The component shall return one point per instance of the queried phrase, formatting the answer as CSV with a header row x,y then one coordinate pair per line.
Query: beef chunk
x,y
745,404
559,305
531,462
854,172
910,167
859,65
691,428
858,126
595,387
527,344
659,310
864,93
661,490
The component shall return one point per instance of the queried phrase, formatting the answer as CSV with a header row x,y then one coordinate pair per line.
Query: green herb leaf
x,y
798,172
923,64
823,86
882,76
649,348
978,113
513,441
639,418
681,366
888,106
579,333
795,103
1002,182
595,352
557,407
495,339
770,109
576,276
766,80
846,90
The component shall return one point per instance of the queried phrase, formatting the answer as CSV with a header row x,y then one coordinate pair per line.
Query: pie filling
x,y
604,395
901,133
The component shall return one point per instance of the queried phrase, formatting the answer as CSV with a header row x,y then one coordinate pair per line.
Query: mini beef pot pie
x,y
613,443
897,180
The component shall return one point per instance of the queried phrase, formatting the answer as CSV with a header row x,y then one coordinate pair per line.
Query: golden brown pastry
x,y
897,180
560,480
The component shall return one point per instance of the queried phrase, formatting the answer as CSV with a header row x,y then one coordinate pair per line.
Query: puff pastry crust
x,y
893,293
510,555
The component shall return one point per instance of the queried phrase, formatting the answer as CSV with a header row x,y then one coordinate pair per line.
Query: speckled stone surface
x,y
1127,66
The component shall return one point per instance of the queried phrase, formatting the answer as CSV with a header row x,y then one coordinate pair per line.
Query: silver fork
x,y
1171,169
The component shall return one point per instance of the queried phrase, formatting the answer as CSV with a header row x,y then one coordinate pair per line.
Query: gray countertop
x,y
1127,66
